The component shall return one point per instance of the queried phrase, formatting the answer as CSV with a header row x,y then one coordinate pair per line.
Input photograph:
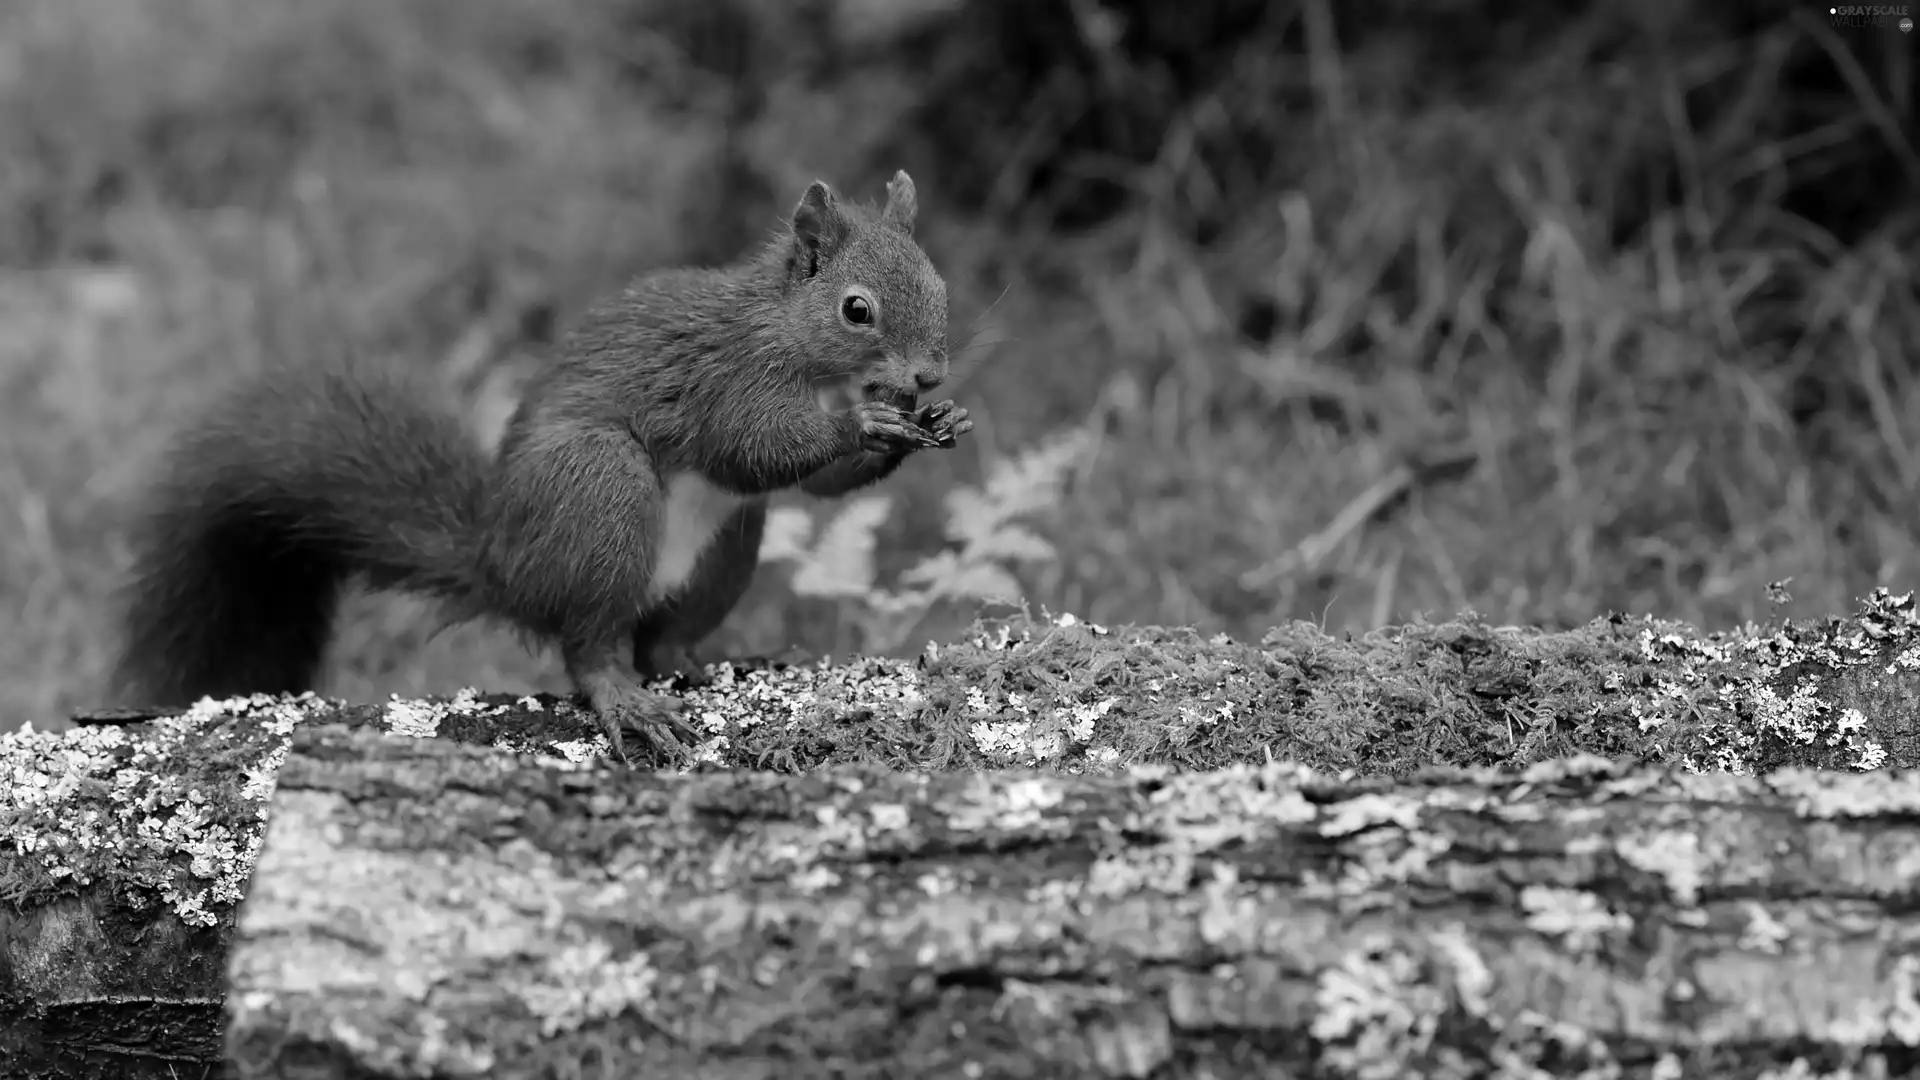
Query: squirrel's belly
x,y
695,510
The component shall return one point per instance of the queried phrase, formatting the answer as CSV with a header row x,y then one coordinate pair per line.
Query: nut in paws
x,y
884,429
946,422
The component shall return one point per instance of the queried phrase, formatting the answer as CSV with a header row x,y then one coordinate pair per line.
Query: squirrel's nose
x,y
927,378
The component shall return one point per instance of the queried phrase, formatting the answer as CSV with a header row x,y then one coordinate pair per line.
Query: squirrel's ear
x,y
819,225
901,204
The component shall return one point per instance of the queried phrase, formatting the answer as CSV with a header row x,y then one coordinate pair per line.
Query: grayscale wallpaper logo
x,y
1872,16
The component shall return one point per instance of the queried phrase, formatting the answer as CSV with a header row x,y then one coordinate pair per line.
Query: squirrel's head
x,y
875,307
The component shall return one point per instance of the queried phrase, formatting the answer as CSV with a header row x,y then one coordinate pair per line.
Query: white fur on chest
x,y
695,510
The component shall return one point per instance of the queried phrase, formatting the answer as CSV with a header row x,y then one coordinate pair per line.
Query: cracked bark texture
x,y
423,908
93,990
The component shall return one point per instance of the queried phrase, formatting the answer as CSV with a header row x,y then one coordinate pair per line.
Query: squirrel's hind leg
x,y
664,640
620,701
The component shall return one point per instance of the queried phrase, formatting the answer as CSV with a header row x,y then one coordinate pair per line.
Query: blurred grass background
x,y
1376,308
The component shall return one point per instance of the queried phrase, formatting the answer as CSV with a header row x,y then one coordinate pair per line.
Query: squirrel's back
x,y
294,481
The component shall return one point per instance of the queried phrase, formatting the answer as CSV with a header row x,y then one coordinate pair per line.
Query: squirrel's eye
x,y
856,310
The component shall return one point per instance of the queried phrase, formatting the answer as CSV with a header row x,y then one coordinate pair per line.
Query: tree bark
x,y
93,990
423,908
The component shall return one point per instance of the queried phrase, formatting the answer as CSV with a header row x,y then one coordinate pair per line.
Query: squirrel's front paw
x,y
884,429
945,421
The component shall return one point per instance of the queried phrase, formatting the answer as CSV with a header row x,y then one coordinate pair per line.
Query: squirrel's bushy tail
x,y
295,482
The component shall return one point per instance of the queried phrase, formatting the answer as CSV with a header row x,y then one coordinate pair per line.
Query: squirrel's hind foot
x,y
620,703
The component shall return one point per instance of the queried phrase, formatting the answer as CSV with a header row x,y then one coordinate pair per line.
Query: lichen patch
x,y
172,811
173,815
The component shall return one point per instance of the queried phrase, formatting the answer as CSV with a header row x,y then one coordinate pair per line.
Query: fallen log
x,y
125,843
429,909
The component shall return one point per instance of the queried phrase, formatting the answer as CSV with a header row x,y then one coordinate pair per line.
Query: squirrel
x,y
620,518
